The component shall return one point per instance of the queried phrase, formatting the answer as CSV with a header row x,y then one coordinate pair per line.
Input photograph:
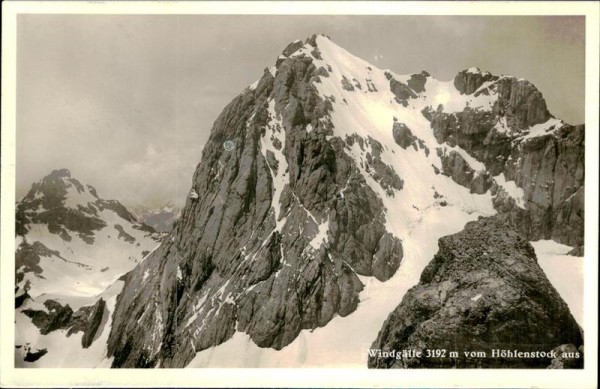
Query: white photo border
x,y
10,376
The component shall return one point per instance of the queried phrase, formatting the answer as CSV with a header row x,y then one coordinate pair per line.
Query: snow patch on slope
x,y
75,198
511,188
87,269
476,165
372,114
501,126
274,132
321,235
565,273
548,127
444,93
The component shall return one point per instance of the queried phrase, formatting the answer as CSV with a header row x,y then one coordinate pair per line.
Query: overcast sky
x,y
127,102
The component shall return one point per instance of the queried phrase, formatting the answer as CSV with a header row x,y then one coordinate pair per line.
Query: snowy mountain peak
x,y
60,191
71,246
331,168
473,70
61,218
60,173
325,186
338,72
61,178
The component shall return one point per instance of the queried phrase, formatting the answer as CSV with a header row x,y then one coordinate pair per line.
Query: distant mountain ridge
x,y
160,218
71,246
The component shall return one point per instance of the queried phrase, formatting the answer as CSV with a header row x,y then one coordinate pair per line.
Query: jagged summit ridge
x,y
476,89
485,118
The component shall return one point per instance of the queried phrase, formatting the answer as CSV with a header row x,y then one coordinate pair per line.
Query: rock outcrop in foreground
x,y
483,291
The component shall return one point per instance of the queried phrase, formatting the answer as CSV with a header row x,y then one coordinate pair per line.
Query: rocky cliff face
x,y
482,291
519,139
311,180
273,244
58,317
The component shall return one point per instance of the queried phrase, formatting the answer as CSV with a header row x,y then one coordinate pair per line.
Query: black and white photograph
x,y
335,188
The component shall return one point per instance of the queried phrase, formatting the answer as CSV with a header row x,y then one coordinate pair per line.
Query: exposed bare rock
x,y
404,92
35,355
404,136
27,257
347,85
521,103
549,168
86,319
455,166
417,81
271,245
469,81
482,291
292,47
